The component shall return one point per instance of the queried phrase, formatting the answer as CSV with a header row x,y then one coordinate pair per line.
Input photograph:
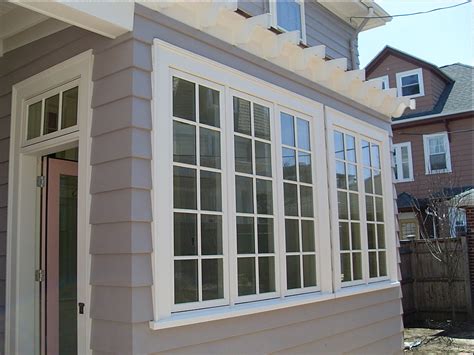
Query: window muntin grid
x,y
300,243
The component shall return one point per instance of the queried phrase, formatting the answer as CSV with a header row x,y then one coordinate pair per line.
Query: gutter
x,y
353,39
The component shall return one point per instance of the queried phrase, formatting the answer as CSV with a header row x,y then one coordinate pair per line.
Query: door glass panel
x,y
51,114
68,265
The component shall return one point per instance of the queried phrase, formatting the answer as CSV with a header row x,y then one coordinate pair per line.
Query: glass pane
x,y
373,264
184,188
303,134
306,198
212,279
289,15
366,153
292,235
357,266
67,264
410,79
304,163
245,235
264,197
342,205
375,155
379,209
184,143
246,276
263,159
344,243
244,194
287,130
243,155
309,270
354,206
265,235
184,99
341,175
291,199
339,145
381,236
438,161
307,231
293,272
51,114
185,281
211,194
261,117
371,236
242,119
352,177
210,148
209,106
266,274
185,234
346,267
350,148
355,236
369,205
34,120
289,164
368,181
211,235
383,263
377,182
411,90
69,108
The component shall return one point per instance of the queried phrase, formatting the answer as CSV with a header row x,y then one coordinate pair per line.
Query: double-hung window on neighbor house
x,y
437,153
410,83
403,162
241,202
289,15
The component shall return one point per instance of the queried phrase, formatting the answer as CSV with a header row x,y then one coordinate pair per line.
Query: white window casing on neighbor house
x,y
410,83
437,153
289,16
385,82
403,162
241,217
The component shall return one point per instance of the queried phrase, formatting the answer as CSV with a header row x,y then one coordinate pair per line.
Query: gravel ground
x,y
441,338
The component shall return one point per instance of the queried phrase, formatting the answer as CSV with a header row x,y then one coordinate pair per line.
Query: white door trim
x,y
22,301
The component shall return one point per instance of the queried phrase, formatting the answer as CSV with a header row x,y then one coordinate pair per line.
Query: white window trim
x,y
385,80
174,58
426,149
401,75
336,120
398,150
273,12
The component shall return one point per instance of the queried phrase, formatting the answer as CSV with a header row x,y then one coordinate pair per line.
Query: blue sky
x,y
442,37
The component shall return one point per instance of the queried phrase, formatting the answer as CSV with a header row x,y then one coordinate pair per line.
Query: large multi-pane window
x,y
197,194
254,198
300,244
362,244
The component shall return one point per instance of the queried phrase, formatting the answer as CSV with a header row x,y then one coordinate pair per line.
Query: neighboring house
x,y
433,144
195,178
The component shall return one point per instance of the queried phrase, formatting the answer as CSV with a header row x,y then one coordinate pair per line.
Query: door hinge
x,y
41,181
39,275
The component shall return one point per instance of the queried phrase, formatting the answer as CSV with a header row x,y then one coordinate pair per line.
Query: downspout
x,y
353,39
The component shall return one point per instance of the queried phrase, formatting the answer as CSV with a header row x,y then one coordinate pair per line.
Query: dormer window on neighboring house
x,y
410,83
288,15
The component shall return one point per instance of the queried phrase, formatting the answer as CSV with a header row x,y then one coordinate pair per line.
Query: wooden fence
x,y
425,283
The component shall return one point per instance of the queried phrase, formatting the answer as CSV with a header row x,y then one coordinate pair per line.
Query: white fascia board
x,y
104,18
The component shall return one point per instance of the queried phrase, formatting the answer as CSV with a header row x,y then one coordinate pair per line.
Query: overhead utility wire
x,y
413,13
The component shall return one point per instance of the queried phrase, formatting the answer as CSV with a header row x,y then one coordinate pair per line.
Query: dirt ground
x,y
441,338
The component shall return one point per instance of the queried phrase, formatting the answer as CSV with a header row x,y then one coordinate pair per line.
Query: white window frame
x,y
397,148
273,12
167,58
419,73
426,149
457,214
338,121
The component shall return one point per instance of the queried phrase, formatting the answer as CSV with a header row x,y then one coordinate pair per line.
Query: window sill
x,y
218,313
402,181
434,172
